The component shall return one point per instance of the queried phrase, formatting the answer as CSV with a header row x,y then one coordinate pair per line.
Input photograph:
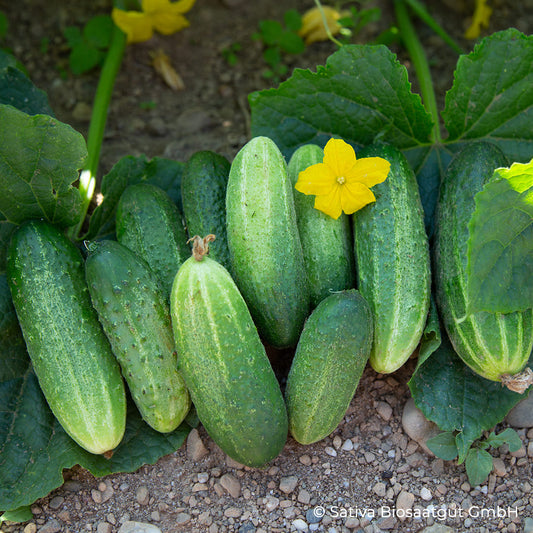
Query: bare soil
x,y
368,470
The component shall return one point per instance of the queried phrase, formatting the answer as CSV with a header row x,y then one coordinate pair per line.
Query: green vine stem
x,y
421,12
420,64
95,136
326,25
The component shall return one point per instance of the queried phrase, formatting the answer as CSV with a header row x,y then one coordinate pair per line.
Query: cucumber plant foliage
x,y
363,95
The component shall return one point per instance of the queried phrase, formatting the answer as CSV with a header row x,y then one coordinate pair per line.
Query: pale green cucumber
x,y
327,243
71,356
224,364
134,313
150,224
265,248
330,358
392,262
491,344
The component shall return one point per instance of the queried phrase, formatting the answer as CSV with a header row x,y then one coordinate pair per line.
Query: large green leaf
x,y
500,246
361,94
165,173
492,96
17,90
40,158
457,399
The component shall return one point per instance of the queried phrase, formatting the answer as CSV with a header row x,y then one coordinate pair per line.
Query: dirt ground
x,y
368,468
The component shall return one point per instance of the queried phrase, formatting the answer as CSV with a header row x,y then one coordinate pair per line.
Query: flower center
x,y
341,180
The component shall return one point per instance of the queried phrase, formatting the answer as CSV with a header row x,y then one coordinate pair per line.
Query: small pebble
x,y
271,503
142,495
30,528
425,494
331,451
300,525
288,484
56,502
104,527
138,527
417,426
231,484
52,526
196,449
521,415
347,445
384,410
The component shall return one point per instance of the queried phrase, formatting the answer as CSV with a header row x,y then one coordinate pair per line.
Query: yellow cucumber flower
x,y
161,15
313,29
342,182
480,18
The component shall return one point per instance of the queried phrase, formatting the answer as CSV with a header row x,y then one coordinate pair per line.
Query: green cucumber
x,y
327,243
224,364
264,243
71,356
392,262
134,313
491,344
330,358
203,192
150,224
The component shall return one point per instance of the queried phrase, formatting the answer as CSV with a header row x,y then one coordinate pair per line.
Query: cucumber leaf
x,y
478,466
491,97
165,173
458,400
361,94
17,90
500,246
40,159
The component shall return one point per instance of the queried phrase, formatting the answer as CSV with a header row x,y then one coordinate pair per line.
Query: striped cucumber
x,y
71,356
330,358
491,344
264,243
392,262
327,243
225,366
150,224
203,192
134,313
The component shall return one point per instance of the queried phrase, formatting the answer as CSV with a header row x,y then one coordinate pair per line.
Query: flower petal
x,y
330,203
339,156
182,6
355,196
167,23
153,6
369,171
136,25
316,179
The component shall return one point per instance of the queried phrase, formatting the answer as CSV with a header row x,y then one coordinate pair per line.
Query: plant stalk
x,y
420,64
95,135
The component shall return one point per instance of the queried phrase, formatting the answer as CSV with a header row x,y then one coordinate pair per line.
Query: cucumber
x,y
224,364
71,356
134,313
491,344
203,192
330,358
264,243
150,224
327,243
393,262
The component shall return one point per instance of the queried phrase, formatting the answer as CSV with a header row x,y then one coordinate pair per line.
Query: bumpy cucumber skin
x,y
327,243
266,252
225,366
203,192
393,262
71,356
150,224
330,358
134,313
491,344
